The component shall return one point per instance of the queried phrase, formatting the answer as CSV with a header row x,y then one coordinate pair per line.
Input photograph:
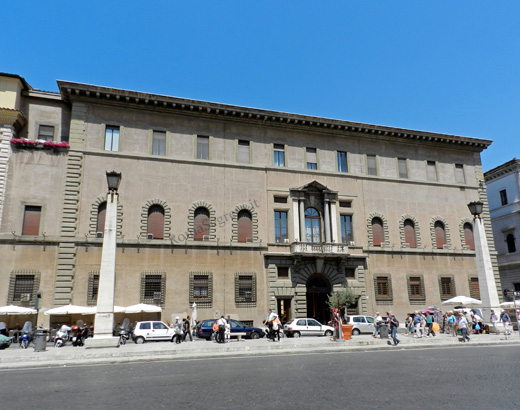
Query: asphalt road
x,y
446,378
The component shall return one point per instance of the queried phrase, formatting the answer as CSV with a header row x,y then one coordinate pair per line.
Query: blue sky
x,y
445,66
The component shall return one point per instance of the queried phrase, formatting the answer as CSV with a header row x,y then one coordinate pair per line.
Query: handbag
x,y
477,327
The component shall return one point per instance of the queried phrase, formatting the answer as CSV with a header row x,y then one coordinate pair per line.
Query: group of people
x,y
391,322
222,329
182,329
274,326
420,324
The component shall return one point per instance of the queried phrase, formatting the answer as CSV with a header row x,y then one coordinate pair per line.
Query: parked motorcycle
x,y
124,332
26,335
79,334
62,336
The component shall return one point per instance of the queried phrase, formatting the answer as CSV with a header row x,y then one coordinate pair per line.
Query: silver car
x,y
306,327
361,323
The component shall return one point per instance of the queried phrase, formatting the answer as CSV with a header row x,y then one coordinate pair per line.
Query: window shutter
x,y
468,236
200,224
245,226
243,152
102,211
156,221
377,232
440,236
409,233
31,220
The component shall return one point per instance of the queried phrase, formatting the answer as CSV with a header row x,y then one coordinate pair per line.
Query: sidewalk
x,y
16,358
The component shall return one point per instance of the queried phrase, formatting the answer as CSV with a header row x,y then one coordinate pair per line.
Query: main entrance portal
x,y
318,291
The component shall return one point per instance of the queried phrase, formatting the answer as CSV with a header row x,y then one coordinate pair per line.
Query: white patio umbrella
x,y
71,310
193,315
510,305
16,310
462,300
142,307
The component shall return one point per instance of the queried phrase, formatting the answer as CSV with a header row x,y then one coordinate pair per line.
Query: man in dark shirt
x,y
187,331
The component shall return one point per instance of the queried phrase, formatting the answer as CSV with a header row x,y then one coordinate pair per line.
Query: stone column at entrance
x,y
302,221
326,220
296,221
334,222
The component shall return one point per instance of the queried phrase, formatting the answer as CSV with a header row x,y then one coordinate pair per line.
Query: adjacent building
x,y
237,209
503,191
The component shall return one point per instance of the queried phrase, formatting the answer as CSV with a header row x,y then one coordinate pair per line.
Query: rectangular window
x,y
474,289
342,161
153,287
403,169
280,227
312,160
371,165
279,155
345,204
159,143
243,152
31,220
346,229
23,287
459,174
93,288
46,132
431,171
202,147
283,272
382,286
111,138
350,273
245,289
503,197
280,199
416,292
201,289
415,287
447,288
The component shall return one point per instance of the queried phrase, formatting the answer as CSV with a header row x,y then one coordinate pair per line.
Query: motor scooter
x,y
26,335
62,336
124,332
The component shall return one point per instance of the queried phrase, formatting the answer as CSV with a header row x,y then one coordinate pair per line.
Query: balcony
x,y
309,248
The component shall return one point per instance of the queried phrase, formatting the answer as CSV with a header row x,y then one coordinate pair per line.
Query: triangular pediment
x,y
313,186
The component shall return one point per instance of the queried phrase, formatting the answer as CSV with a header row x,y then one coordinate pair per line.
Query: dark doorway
x,y
318,291
284,309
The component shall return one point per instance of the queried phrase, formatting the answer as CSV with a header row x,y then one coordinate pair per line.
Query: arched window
x,y
468,236
156,221
511,247
245,226
409,233
440,235
200,224
377,232
101,214
312,225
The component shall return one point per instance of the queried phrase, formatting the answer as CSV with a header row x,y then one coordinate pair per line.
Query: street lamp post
x,y
104,321
486,277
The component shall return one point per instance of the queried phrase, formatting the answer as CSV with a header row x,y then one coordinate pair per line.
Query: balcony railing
x,y
310,248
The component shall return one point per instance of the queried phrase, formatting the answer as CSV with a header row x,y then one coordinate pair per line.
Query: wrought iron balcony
x,y
310,248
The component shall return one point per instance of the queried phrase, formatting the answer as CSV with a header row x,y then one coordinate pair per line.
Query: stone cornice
x,y
12,117
71,91
504,169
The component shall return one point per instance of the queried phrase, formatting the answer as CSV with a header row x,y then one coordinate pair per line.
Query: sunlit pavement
x,y
14,357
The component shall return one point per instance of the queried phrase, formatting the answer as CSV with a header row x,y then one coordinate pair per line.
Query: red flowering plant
x,y
24,142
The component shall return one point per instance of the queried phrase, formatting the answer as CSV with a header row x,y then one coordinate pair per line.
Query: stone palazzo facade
x,y
236,209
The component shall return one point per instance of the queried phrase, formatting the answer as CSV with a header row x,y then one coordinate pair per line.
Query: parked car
x,y
205,329
306,327
153,330
360,323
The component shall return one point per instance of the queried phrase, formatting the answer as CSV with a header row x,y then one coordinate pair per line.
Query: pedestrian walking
x,y
178,329
378,321
506,320
215,330
221,329
463,327
394,325
187,329
417,318
452,324
493,317
269,324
